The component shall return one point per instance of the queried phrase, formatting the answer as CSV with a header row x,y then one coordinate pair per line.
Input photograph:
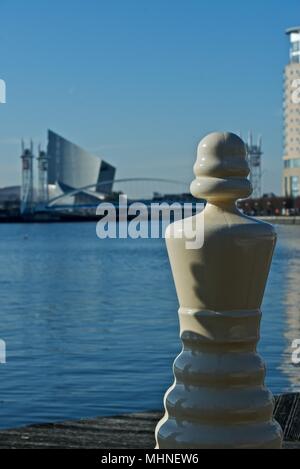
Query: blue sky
x,y
140,82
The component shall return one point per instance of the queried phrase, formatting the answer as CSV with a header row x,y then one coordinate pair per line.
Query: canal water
x,y
91,325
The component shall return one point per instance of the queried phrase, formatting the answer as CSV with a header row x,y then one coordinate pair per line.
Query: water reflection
x,y
91,325
291,302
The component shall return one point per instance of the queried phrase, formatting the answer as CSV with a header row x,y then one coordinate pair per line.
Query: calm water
x,y
91,326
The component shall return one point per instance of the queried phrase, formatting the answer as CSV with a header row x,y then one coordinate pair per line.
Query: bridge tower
x,y
27,196
255,153
43,193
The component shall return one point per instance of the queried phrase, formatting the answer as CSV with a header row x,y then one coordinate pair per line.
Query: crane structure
x,y
27,191
254,151
43,192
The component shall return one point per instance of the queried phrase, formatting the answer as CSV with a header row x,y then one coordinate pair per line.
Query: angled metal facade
x,y
70,167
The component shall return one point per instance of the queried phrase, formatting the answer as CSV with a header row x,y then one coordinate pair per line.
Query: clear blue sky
x,y
140,82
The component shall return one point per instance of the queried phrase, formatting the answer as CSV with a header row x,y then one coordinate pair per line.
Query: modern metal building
x,y
70,167
291,157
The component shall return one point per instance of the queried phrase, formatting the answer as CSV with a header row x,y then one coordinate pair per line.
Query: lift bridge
x,y
140,189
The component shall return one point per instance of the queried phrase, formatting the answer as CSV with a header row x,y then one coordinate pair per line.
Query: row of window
x,y
295,59
292,186
293,163
291,110
289,139
291,71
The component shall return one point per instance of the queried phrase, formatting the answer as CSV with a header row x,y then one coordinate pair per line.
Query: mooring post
x,y
219,399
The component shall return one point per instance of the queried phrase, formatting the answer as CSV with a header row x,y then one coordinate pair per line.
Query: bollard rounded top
x,y
221,168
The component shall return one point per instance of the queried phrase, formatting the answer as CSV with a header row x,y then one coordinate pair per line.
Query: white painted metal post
x,y
219,399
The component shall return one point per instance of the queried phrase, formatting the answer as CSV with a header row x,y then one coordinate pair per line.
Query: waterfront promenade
x,y
293,220
69,218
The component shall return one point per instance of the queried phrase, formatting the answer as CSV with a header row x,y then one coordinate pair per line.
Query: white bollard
x,y
219,399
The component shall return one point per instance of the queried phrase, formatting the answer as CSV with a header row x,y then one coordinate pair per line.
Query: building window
x,y
292,163
286,187
295,46
294,182
295,59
